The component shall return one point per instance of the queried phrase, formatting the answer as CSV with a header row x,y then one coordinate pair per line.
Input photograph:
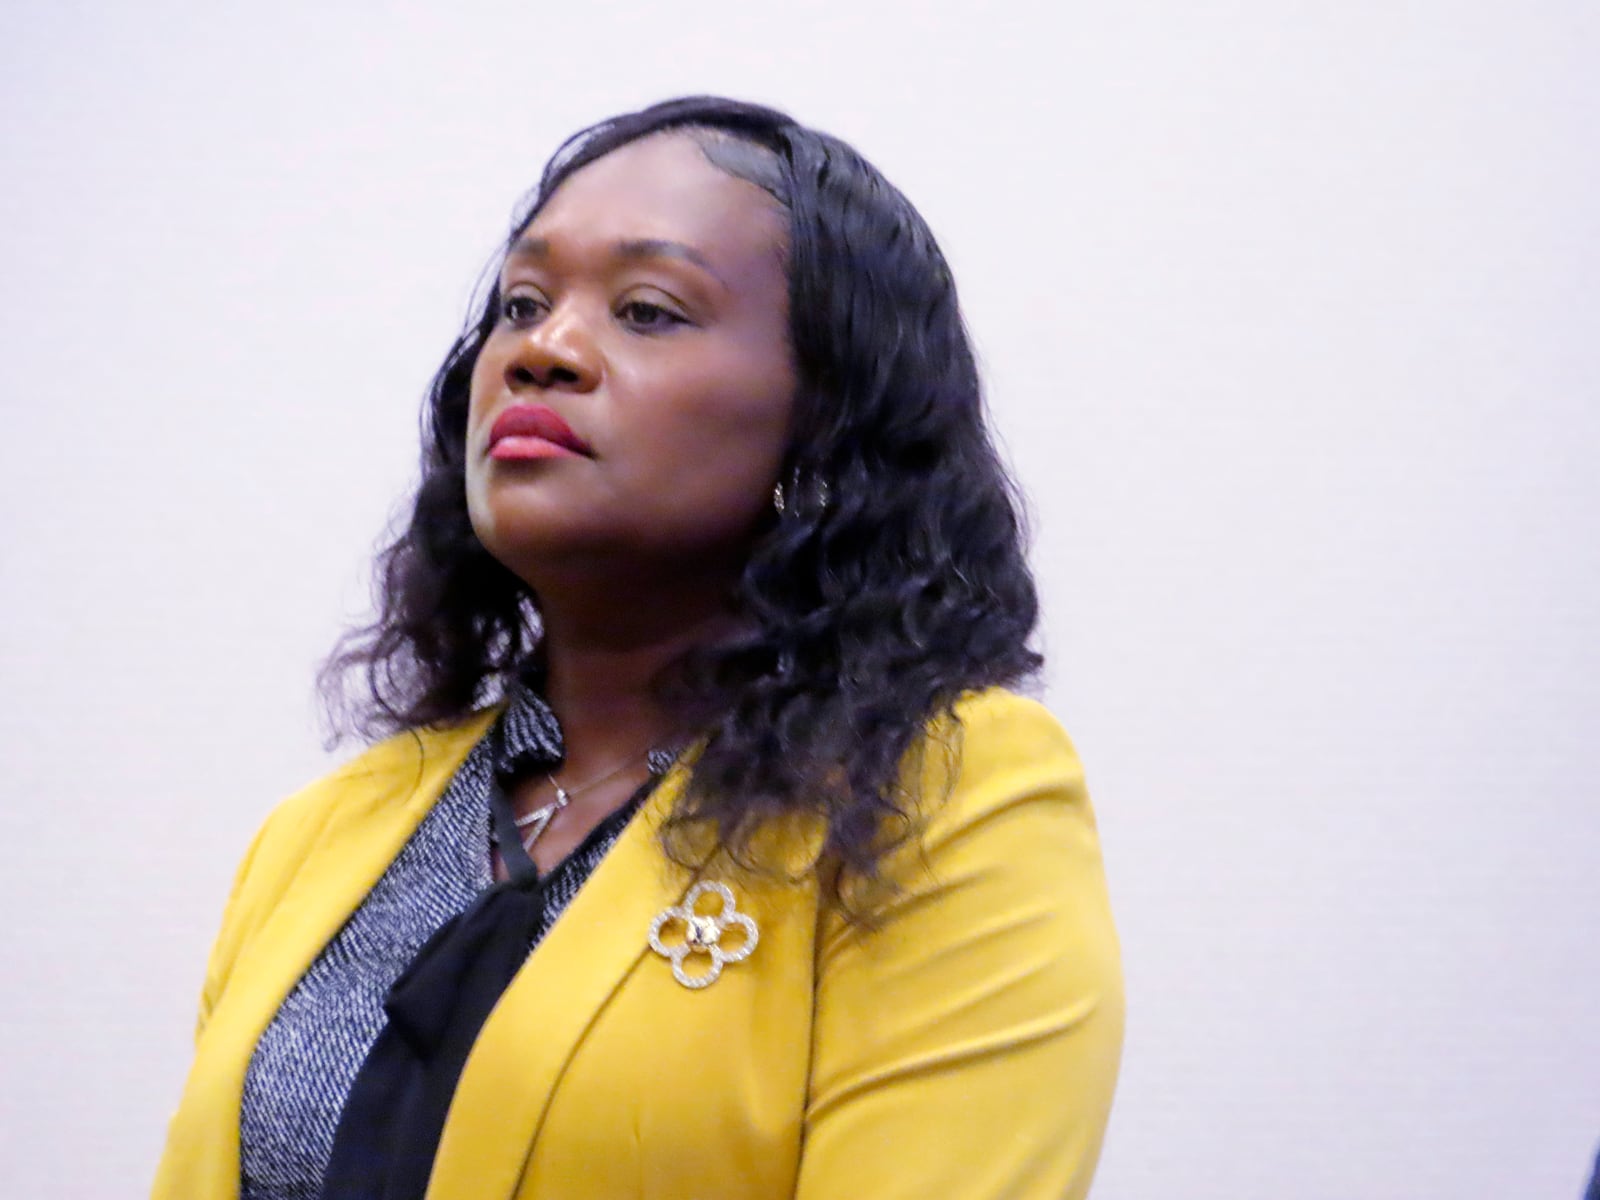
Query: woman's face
x,y
631,407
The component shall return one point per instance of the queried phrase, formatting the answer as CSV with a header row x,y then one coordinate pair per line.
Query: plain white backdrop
x,y
1289,317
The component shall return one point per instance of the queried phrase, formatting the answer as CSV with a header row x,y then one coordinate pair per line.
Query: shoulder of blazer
x,y
414,765
993,749
995,757
392,784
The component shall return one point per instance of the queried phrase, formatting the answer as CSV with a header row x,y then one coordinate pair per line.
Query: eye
x,y
649,317
520,308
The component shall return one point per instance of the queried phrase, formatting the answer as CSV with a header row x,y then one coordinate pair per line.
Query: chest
x,y
663,1091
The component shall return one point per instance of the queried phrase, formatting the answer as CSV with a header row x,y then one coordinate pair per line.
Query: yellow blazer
x,y
965,1048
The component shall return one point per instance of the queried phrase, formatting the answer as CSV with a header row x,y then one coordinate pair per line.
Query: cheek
x,y
476,468
740,399
484,371
724,434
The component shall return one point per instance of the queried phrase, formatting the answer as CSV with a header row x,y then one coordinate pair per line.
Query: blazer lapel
x,y
506,1085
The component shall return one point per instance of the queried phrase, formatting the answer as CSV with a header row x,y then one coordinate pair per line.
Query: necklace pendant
x,y
535,823
531,825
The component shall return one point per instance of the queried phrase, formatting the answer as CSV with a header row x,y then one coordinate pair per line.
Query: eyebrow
x,y
628,251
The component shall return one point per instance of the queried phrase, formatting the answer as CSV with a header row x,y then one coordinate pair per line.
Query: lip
x,y
534,431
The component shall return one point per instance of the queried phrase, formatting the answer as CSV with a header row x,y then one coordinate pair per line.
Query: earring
x,y
780,500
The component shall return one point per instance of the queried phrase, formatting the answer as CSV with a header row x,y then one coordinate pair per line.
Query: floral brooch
x,y
683,930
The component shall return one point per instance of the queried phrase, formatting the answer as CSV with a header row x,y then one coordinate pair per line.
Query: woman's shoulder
x,y
339,818
410,767
999,721
995,784
1004,851
996,748
410,753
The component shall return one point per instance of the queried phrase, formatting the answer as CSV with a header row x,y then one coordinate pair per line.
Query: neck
x,y
603,660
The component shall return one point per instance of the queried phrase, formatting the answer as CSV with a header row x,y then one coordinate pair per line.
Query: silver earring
x,y
777,497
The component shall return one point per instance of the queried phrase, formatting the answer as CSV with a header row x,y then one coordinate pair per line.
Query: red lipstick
x,y
534,431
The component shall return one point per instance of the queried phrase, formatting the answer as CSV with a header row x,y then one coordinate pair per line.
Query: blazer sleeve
x,y
966,1045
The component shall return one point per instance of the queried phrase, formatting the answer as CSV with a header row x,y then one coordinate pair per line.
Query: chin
x,y
512,508
527,538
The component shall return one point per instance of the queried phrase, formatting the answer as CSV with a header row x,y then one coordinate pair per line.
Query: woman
x,y
695,649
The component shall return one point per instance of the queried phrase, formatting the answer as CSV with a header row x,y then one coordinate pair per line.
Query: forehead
x,y
664,187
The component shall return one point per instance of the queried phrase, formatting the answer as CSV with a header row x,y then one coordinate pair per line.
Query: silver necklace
x,y
537,821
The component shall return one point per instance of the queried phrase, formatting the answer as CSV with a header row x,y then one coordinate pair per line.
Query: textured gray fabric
x,y
303,1066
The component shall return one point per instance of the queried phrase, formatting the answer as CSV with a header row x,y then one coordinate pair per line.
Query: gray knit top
x,y
301,1072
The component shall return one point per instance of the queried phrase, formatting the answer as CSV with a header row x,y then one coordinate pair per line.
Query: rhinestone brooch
x,y
701,934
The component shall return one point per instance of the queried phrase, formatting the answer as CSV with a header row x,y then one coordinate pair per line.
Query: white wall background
x,y
1290,318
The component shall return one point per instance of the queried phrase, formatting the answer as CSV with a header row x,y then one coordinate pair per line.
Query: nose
x,y
556,353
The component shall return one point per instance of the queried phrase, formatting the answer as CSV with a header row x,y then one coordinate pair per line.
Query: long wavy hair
x,y
894,579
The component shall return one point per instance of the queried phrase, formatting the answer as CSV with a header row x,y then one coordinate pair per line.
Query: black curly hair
x,y
894,580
